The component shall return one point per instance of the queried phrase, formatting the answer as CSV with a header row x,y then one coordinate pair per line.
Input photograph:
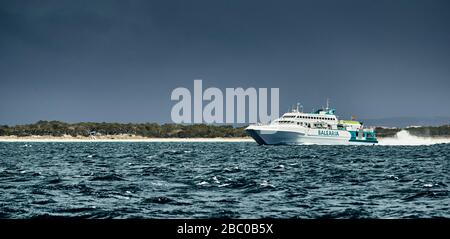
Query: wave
x,y
403,137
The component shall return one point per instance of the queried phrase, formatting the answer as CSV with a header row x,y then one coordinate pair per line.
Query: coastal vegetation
x,y
151,130
386,132
154,130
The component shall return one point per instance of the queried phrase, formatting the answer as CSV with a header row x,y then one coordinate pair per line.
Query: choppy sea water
x,y
222,180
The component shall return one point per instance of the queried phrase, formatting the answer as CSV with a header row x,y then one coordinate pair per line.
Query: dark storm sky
x,y
118,61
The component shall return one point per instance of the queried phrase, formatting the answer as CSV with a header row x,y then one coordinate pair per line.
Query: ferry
x,y
320,127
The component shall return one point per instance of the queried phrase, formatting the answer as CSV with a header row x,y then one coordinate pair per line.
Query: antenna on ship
x,y
328,104
297,107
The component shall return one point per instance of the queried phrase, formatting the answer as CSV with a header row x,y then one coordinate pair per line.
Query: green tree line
x,y
57,128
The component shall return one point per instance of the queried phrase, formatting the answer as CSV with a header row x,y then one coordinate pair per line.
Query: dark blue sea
x,y
222,180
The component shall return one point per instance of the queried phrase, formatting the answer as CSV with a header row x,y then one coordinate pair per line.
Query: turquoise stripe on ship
x,y
364,141
367,140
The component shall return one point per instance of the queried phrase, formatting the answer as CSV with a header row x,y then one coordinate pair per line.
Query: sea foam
x,y
405,138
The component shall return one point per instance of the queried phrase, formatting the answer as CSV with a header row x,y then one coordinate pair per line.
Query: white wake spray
x,y
405,138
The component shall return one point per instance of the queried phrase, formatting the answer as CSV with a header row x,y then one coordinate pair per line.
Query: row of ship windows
x,y
305,124
292,122
308,117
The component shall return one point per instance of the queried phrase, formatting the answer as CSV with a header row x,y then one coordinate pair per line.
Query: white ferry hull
x,y
270,135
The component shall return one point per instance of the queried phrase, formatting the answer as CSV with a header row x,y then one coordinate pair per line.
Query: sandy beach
x,y
115,138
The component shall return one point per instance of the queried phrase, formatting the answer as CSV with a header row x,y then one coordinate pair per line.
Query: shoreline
x,y
117,138
409,140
